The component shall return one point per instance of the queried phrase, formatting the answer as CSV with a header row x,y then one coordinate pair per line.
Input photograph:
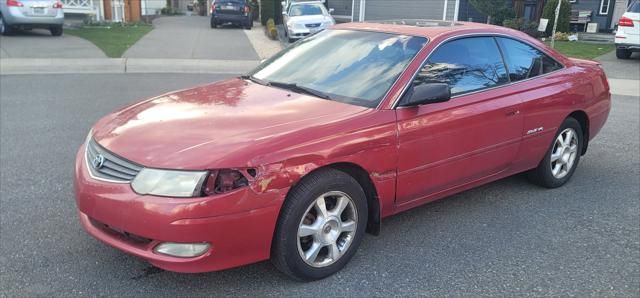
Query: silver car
x,y
28,14
304,18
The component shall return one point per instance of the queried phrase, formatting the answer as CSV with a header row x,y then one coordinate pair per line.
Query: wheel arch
x,y
583,119
364,180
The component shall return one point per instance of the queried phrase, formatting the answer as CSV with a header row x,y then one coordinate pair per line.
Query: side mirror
x,y
331,10
425,94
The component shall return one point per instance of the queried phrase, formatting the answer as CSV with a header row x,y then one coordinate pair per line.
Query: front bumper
x,y
297,33
238,225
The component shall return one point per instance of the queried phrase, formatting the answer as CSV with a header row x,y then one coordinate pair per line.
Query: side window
x,y
525,61
467,64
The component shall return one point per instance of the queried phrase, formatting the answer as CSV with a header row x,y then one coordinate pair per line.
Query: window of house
x,y
604,6
524,61
466,65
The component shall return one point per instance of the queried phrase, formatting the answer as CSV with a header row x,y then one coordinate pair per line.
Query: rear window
x,y
634,7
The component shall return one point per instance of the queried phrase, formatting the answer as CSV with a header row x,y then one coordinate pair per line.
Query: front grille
x,y
313,25
107,166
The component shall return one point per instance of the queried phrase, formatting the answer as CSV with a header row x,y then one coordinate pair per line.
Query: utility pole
x,y
555,25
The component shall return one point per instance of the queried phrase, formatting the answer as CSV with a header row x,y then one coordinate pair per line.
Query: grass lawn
x,y
583,50
113,40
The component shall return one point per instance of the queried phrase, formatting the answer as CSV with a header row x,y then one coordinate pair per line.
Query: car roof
x,y
426,28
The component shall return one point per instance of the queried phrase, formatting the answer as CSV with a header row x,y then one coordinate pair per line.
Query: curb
x,y
18,66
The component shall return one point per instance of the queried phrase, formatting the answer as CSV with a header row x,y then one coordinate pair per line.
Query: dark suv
x,y
237,12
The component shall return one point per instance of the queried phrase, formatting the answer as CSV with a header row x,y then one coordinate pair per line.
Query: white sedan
x,y
304,18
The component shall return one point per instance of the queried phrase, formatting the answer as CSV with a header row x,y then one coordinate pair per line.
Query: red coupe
x,y
296,160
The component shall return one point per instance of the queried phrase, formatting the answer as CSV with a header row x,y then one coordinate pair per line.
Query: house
x,y
605,12
104,10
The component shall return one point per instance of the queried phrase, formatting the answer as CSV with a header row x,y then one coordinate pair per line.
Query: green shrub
x,y
272,32
549,12
496,10
523,25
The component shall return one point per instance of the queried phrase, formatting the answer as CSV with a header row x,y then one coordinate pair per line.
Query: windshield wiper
x,y
255,80
300,89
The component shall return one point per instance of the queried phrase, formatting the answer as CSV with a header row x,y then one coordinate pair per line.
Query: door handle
x,y
512,113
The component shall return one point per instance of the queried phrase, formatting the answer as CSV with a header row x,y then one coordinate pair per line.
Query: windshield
x,y
356,67
305,10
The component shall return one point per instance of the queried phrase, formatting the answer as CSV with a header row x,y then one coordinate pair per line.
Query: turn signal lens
x,y
14,3
58,4
182,250
625,22
226,180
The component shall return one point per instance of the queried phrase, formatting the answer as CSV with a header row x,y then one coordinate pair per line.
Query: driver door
x,y
476,134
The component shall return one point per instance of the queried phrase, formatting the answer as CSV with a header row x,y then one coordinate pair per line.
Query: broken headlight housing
x,y
189,184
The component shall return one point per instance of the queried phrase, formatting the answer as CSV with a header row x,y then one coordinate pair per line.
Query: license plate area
x,y
38,10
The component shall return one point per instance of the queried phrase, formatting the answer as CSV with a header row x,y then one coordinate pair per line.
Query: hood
x,y
225,124
318,18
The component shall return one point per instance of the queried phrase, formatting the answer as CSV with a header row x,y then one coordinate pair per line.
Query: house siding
x,y
594,5
341,7
468,13
404,9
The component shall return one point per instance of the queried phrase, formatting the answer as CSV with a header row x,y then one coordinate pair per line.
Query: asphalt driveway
x,y
508,238
190,37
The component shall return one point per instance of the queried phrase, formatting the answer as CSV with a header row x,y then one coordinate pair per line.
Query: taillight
x,y
247,9
58,4
221,181
15,3
625,22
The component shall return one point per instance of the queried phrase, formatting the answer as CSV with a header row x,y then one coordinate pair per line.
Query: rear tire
x,y
321,225
5,29
562,158
56,30
623,54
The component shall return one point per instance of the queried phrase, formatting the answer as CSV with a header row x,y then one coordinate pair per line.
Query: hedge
x,y
549,12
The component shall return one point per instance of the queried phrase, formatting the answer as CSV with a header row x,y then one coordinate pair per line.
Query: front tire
x,y
623,54
321,225
562,159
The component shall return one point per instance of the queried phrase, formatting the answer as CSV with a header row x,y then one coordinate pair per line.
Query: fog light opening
x,y
182,250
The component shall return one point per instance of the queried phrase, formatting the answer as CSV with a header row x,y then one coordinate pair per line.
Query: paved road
x,y
190,37
39,43
508,238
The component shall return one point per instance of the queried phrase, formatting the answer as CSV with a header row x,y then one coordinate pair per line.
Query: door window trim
x,y
471,35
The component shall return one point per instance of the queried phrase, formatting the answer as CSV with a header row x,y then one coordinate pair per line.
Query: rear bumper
x,y
628,46
238,225
231,18
16,18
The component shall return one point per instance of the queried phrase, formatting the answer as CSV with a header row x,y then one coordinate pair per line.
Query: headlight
x,y
169,183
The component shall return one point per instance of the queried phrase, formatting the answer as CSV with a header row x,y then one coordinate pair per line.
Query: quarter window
x,y
466,65
525,61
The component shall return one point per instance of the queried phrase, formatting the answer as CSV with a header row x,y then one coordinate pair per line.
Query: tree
x,y
496,10
549,12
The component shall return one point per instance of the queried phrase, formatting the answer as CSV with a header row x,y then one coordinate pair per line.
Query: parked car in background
x,y
628,34
237,12
304,18
29,14
294,161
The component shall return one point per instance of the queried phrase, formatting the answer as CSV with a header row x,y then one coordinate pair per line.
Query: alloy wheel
x,y
327,229
563,155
